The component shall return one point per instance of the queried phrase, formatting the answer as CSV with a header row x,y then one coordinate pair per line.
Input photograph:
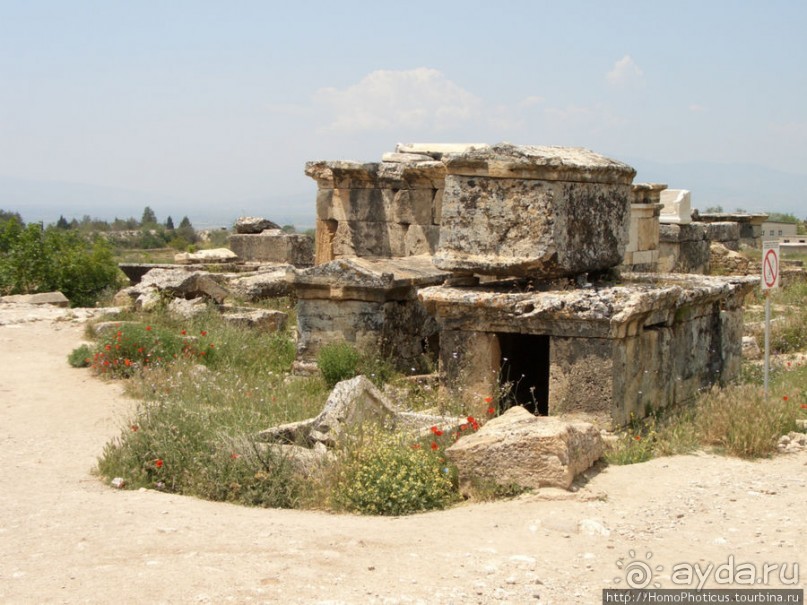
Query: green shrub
x,y
338,361
80,357
33,260
387,474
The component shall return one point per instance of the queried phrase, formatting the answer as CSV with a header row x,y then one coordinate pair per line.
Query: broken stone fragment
x,y
252,224
518,448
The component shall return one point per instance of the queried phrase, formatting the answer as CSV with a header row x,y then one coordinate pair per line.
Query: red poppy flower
x,y
491,411
784,398
158,463
415,446
434,446
204,332
471,419
148,328
235,456
488,400
638,438
184,332
804,406
135,428
127,362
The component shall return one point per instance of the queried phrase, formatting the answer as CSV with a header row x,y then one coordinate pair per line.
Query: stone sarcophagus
x,y
533,211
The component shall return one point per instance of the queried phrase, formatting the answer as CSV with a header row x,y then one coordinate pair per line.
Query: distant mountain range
x,y
750,187
47,200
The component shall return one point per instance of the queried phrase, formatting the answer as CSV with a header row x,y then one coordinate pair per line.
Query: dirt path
x,y
67,538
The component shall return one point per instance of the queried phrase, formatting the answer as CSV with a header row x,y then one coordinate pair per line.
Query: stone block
x,y
677,207
533,211
727,233
267,283
274,246
529,451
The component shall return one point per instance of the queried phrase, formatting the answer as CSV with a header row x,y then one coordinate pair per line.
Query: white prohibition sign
x,y
770,267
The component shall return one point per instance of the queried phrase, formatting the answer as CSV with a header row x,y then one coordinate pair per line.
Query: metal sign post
x,y
770,280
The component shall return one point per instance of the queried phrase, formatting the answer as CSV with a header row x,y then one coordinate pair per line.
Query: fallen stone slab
x,y
216,255
267,320
270,282
518,448
43,298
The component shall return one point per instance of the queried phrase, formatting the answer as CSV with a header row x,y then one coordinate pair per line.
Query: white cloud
x,y
389,100
625,72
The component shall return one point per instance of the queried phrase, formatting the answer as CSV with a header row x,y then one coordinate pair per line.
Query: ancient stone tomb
x,y
502,258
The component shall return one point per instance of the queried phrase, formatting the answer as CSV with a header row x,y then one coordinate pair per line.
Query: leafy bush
x,y
33,260
338,361
386,474
80,357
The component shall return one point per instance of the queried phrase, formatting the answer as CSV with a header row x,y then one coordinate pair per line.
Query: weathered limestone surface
x,y
274,246
683,248
173,283
527,211
518,448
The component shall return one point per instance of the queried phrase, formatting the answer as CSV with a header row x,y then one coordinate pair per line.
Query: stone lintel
x,y
643,300
572,164
738,217
347,277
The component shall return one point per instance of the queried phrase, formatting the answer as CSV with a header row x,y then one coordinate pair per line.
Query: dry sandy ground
x,y
65,537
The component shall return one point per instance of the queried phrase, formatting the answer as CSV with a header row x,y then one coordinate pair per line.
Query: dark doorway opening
x,y
525,370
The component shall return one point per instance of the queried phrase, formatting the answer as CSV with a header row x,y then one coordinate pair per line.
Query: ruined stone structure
x,y
371,303
750,224
506,252
642,252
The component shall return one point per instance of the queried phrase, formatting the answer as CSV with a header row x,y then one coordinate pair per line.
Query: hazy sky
x,y
217,102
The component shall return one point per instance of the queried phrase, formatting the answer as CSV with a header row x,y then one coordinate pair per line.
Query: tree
x,y
713,209
169,223
149,218
43,260
186,230
62,223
